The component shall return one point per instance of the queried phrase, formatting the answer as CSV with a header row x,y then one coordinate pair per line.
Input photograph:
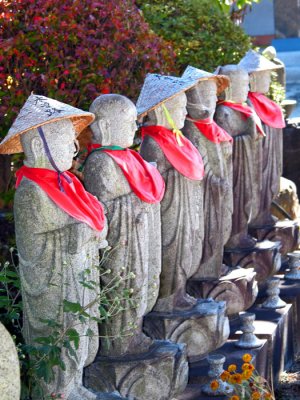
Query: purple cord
x,y
47,150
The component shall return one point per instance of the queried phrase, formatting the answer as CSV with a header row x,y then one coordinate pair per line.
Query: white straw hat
x,y
158,89
253,61
38,111
193,73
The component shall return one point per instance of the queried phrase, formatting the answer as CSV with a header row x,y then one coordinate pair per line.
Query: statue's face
x,y
60,137
177,110
201,100
260,81
239,85
115,124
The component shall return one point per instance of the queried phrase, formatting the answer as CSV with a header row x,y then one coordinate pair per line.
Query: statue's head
x,y
238,88
201,99
260,81
177,109
61,141
115,122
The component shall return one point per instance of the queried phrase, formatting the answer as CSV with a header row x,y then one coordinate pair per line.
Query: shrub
x,y
74,50
201,33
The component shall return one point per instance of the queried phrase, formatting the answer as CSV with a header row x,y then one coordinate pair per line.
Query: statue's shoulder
x,y
223,112
28,192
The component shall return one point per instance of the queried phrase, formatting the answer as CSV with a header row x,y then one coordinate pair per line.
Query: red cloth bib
x,y
75,200
186,159
143,178
268,111
246,111
212,131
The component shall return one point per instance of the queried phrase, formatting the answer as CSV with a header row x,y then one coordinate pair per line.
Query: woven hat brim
x,y
222,82
182,90
12,145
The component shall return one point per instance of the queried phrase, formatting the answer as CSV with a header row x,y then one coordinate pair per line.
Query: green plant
x,y
39,360
201,34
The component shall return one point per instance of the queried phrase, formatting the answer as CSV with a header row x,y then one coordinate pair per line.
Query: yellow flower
x,y
225,376
245,366
236,378
232,368
246,374
251,367
235,397
247,358
255,396
268,396
214,385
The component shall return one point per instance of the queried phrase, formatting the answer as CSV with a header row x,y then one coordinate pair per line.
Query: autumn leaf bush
x,y
201,33
74,50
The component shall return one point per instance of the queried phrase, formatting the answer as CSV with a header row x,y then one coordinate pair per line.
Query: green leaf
x,y
73,336
69,306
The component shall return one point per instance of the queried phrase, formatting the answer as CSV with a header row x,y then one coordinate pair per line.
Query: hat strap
x,y
172,124
50,158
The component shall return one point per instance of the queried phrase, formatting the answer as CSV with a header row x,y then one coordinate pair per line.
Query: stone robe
x,y
182,227
245,177
134,235
217,199
55,253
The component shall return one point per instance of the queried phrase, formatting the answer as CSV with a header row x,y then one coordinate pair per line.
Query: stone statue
x,y
181,212
131,190
10,384
230,115
59,228
177,315
215,146
259,69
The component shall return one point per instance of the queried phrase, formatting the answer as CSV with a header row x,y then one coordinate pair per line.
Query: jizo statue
x,y
131,190
59,229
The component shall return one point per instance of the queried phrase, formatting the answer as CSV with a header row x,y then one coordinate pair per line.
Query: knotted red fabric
x,y
246,112
143,178
212,131
74,199
186,159
268,111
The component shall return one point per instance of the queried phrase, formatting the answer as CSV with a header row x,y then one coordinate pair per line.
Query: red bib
x,y
74,200
143,178
186,159
212,131
268,111
246,111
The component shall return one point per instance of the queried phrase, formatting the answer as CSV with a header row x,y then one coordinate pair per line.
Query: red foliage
x,y
74,50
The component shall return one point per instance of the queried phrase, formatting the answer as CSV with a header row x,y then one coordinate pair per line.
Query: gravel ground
x,y
289,386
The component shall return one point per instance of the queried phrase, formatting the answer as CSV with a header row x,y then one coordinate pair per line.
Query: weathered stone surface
x,y
217,181
265,258
238,288
10,384
246,180
286,232
54,251
203,328
287,199
159,374
270,166
133,230
181,216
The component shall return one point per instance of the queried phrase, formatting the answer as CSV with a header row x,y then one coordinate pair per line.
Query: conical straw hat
x,y
158,89
193,73
253,61
38,111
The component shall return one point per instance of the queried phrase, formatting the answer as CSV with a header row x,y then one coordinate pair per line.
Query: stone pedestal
x,y
164,366
264,257
203,328
238,288
287,232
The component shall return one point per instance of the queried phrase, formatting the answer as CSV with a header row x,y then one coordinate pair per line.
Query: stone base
x,y
203,328
238,288
160,374
287,232
264,257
